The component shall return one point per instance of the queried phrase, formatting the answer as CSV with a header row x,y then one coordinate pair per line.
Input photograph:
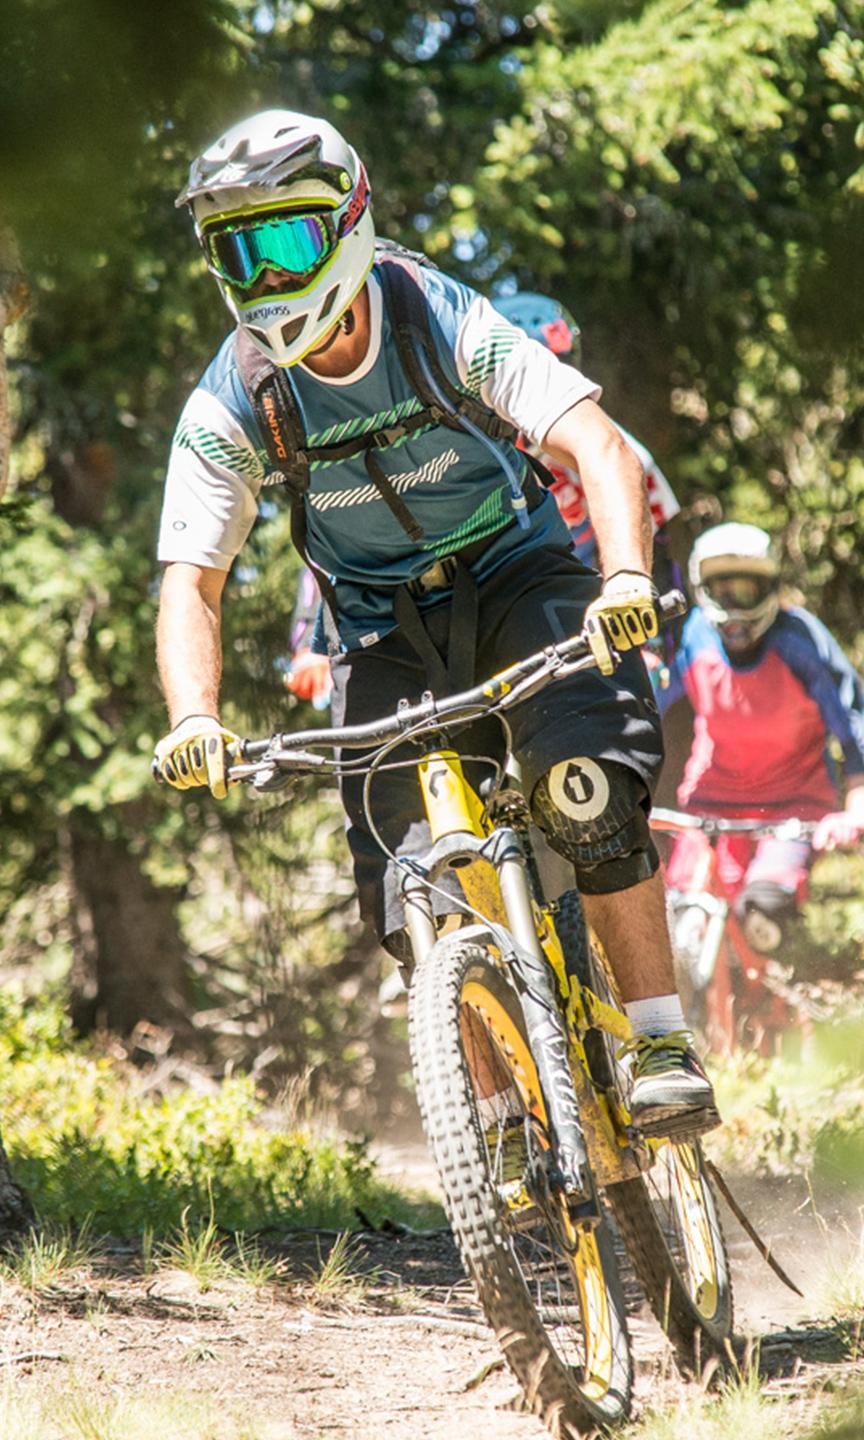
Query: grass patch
x,y
200,1250
46,1257
339,1279
801,1110
87,1139
74,1413
843,1420
841,1288
739,1407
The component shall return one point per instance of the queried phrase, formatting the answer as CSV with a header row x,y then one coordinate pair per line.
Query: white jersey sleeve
x,y
515,376
211,490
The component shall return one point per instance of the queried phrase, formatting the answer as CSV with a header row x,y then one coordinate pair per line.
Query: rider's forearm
x,y
855,796
188,641
614,484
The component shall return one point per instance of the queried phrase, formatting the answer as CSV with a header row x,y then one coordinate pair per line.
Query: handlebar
x,y
677,821
293,751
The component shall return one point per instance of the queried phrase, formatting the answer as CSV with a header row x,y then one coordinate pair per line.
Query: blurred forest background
x,y
687,176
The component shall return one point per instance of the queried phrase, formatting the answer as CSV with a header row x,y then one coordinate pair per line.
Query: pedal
x,y
678,1127
584,1213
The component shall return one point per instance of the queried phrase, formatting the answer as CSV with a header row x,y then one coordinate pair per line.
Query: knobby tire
x,y
572,1361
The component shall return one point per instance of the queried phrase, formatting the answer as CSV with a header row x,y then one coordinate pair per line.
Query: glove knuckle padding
x,y
595,813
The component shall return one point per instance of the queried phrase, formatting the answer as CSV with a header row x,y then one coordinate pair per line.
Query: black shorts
x,y
538,600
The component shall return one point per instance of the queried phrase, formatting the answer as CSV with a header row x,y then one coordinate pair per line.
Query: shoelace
x,y
651,1051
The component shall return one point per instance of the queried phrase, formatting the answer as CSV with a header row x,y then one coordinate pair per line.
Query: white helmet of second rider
x,y
284,193
734,574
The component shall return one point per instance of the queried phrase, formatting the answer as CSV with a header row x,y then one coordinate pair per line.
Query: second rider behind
x,y
551,325
770,687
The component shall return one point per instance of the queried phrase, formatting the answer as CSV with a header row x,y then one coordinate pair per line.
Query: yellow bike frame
x,y
453,809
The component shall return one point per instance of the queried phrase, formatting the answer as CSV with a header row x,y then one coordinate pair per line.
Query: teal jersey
x,y
454,484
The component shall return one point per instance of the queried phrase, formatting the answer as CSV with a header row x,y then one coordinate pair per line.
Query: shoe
x,y
508,1157
671,1096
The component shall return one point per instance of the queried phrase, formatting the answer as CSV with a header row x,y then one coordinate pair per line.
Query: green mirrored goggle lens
x,y
737,592
296,243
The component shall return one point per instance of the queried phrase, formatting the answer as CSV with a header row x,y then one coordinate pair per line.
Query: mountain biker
x,y
770,687
551,324
447,561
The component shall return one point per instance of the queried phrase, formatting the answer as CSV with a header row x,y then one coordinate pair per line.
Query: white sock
x,y
657,1015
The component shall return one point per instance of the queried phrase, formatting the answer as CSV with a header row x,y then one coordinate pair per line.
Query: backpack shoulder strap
x,y
277,413
274,405
404,295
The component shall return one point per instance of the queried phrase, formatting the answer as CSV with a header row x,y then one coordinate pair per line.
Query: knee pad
x,y
595,812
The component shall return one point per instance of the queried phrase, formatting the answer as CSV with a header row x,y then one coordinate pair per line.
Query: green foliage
x,y
686,176
691,187
800,1111
87,1140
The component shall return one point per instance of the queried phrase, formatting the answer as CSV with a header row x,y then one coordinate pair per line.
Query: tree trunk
x,y
14,296
16,1211
130,963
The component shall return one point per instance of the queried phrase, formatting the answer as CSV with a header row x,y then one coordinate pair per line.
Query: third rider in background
x,y
769,686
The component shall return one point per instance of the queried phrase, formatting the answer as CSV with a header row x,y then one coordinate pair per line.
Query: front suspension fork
x,y
535,984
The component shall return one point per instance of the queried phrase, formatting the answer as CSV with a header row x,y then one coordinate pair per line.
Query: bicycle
x,y
516,1015
724,981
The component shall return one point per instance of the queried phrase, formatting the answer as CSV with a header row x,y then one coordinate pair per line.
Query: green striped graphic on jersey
x,y
492,515
495,348
361,425
220,451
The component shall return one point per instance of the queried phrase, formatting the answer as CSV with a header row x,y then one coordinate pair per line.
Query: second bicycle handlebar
x,y
677,821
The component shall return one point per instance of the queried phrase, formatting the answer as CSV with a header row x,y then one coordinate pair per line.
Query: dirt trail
x,y
407,1360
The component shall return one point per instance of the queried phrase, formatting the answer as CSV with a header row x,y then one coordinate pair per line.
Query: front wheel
x,y
550,1290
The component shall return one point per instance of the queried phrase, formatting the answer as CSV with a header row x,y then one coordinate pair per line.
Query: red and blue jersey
x,y
761,730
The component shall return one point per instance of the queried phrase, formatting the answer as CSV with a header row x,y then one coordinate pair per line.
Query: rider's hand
x,y
839,830
623,614
309,677
195,753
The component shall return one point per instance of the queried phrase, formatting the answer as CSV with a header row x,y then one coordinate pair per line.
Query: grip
x,y
671,605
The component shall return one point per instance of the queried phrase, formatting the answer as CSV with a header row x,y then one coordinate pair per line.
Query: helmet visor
x,y
738,592
296,244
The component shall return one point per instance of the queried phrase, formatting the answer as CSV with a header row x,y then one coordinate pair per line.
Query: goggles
x,y
738,592
295,242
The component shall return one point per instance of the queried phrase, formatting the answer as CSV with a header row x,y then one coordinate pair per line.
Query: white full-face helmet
x,y
281,210
734,573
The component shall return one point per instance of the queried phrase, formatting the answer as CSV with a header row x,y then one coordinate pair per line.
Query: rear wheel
x,y
549,1290
667,1216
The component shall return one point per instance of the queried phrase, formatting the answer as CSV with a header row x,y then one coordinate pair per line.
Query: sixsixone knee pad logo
x,y
579,788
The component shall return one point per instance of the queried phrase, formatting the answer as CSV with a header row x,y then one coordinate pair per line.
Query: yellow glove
x,y
623,614
195,754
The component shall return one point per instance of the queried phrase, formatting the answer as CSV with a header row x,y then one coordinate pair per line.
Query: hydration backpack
x,y
277,413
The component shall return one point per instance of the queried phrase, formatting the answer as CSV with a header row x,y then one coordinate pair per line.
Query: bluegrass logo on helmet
x,y
281,210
